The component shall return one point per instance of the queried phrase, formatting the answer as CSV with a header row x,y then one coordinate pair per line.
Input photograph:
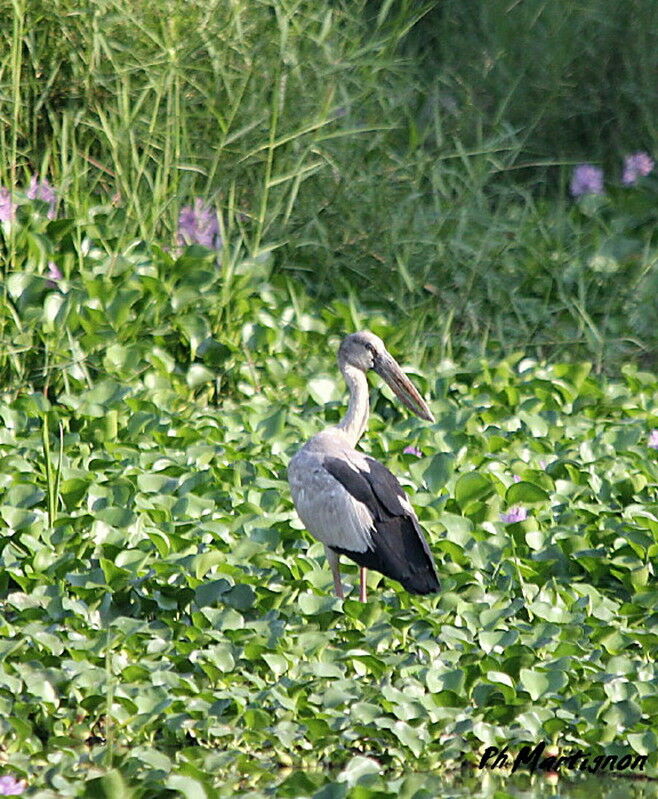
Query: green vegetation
x,y
168,623
573,80
382,150
167,628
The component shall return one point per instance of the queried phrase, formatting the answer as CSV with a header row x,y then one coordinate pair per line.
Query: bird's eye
x,y
372,351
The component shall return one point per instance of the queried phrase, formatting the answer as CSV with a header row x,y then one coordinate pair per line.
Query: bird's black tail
x,y
401,553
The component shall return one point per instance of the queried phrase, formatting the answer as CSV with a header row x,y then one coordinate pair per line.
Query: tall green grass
x,y
574,80
412,157
164,624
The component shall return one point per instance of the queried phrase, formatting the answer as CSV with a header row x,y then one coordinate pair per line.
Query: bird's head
x,y
365,350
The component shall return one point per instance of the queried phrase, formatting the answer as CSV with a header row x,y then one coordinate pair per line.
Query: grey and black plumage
x,y
350,501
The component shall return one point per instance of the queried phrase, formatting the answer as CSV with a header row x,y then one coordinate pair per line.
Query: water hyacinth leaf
x,y
501,677
221,656
550,612
17,518
452,680
188,787
492,640
312,604
19,283
161,360
198,375
624,715
115,577
458,527
324,389
196,267
156,483
472,486
203,564
297,784
536,539
122,358
358,768
535,423
116,517
110,786
639,577
538,683
367,613
525,492
151,757
54,310
574,373
644,743
196,329
215,355
277,663
619,690
38,686
241,597
106,393
211,592
273,425
119,308
24,495
412,737
257,719
439,471
455,552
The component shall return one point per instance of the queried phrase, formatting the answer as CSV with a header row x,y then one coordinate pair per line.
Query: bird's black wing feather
x,y
399,548
355,482
388,490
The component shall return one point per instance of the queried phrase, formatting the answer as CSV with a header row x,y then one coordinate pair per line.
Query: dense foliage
x,y
410,152
197,201
583,94
168,623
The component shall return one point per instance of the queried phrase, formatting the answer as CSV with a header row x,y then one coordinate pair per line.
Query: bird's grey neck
x,y
356,418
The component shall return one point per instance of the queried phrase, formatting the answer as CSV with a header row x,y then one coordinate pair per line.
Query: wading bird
x,y
351,502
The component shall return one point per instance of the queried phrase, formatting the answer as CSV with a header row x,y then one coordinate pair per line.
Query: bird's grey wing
x,y
329,512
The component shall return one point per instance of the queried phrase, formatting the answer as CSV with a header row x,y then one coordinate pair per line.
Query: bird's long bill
x,y
388,369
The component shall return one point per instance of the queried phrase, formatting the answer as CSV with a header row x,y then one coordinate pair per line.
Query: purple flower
x,y
7,212
53,271
653,439
412,451
636,166
586,179
10,786
516,478
54,274
198,225
42,190
514,515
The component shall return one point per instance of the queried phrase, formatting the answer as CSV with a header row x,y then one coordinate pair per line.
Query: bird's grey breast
x,y
329,512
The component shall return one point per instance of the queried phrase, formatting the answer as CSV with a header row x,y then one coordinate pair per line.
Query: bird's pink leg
x,y
332,558
363,573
